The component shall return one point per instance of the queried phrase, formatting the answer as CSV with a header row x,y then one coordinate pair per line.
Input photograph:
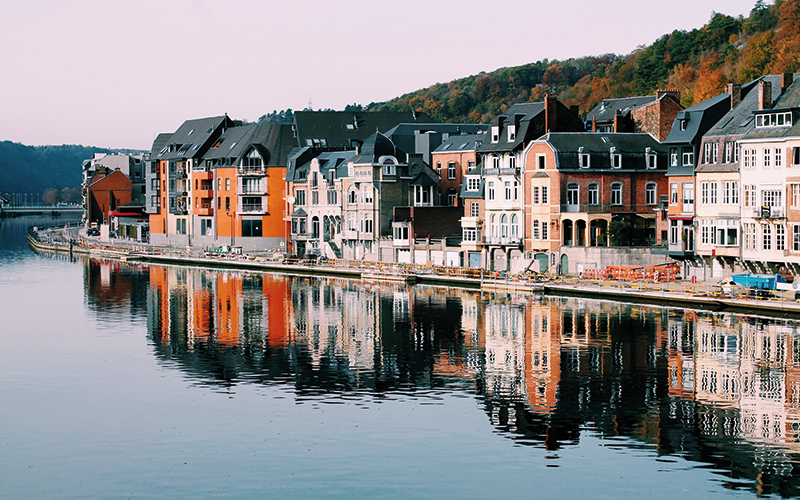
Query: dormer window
x,y
616,160
650,159
495,134
584,160
473,183
683,122
512,133
783,119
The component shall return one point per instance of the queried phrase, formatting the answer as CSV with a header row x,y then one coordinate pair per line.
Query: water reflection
x,y
716,389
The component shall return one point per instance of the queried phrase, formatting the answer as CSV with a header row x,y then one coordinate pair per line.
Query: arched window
x,y
495,232
315,227
573,192
594,193
504,226
514,227
352,196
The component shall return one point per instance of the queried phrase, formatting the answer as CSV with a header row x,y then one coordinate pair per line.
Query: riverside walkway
x,y
680,293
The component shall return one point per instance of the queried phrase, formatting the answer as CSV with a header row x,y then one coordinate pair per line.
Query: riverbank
x,y
68,240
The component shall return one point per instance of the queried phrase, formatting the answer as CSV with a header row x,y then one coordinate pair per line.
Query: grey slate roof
x,y
632,146
529,118
607,108
739,120
699,119
193,137
467,142
158,144
338,129
377,145
789,101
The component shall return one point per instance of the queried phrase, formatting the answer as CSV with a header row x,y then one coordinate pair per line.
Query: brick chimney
x,y
764,95
618,121
594,124
550,113
786,80
735,91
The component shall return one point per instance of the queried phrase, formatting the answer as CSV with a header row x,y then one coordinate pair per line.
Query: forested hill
x,y
34,169
698,63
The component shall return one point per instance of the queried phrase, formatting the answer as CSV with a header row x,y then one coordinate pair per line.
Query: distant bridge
x,y
51,210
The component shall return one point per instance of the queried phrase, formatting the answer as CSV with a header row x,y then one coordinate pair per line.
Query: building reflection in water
x,y
715,388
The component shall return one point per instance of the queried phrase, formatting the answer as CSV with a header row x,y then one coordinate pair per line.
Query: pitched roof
x,y
739,120
338,129
193,137
466,142
790,100
607,108
691,123
600,146
521,115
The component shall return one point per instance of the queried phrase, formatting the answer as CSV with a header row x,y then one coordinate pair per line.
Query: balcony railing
x,y
260,170
250,208
604,209
252,190
516,240
499,171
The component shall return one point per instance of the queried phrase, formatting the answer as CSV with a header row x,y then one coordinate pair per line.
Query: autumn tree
x,y
710,83
758,56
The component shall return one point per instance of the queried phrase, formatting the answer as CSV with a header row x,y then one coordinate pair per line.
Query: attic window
x,y
774,120
350,126
463,145
683,123
233,145
495,134
191,132
606,140
512,133
585,160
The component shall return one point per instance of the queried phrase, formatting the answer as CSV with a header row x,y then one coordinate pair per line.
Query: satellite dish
x,y
290,199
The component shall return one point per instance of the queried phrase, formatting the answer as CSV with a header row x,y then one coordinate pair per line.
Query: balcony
x,y
249,208
260,170
202,173
768,212
205,209
205,193
499,171
251,190
606,209
512,241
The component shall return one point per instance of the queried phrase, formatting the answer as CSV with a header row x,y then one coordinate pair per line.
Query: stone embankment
x,y
68,240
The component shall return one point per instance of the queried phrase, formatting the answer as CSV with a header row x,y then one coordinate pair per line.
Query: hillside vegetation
x,y
698,63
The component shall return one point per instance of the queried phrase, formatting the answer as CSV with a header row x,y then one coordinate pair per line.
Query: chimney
x,y
764,95
674,93
786,80
735,91
550,113
618,121
594,124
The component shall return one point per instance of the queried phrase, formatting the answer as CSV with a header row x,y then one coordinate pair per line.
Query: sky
x,y
114,74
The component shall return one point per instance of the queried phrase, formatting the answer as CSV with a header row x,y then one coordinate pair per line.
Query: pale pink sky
x,y
116,73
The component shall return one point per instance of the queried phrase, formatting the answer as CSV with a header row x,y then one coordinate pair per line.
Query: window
x,y
314,179
778,157
616,193
495,134
367,193
206,228
512,162
617,158
585,160
473,183
795,195
439,169
227,203
710,152
541,164
366,224
507,185
333,197
516,190
796,155
688,194
651,160
352,196
423,196
687,156
774,120
766,242
535,230
251,228
490,190
767,155
573,191
730,192
514,227
504,226
704,193
728,158
673,157
389,169
535,195
315,197
796,237
713,193
451,170
594,193
470,234
474,209
749,236
495,161
780,237
544,195
219,184
673,194
650,193
228,184
704,227
512,133
772,198
154,184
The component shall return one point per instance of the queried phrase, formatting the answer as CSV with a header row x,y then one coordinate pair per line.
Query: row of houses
x,y
711,186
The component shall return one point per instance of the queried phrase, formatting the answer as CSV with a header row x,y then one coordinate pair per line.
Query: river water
x,y
137,381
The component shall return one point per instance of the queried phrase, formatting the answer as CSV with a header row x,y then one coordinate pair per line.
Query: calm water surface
x,y
121,380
